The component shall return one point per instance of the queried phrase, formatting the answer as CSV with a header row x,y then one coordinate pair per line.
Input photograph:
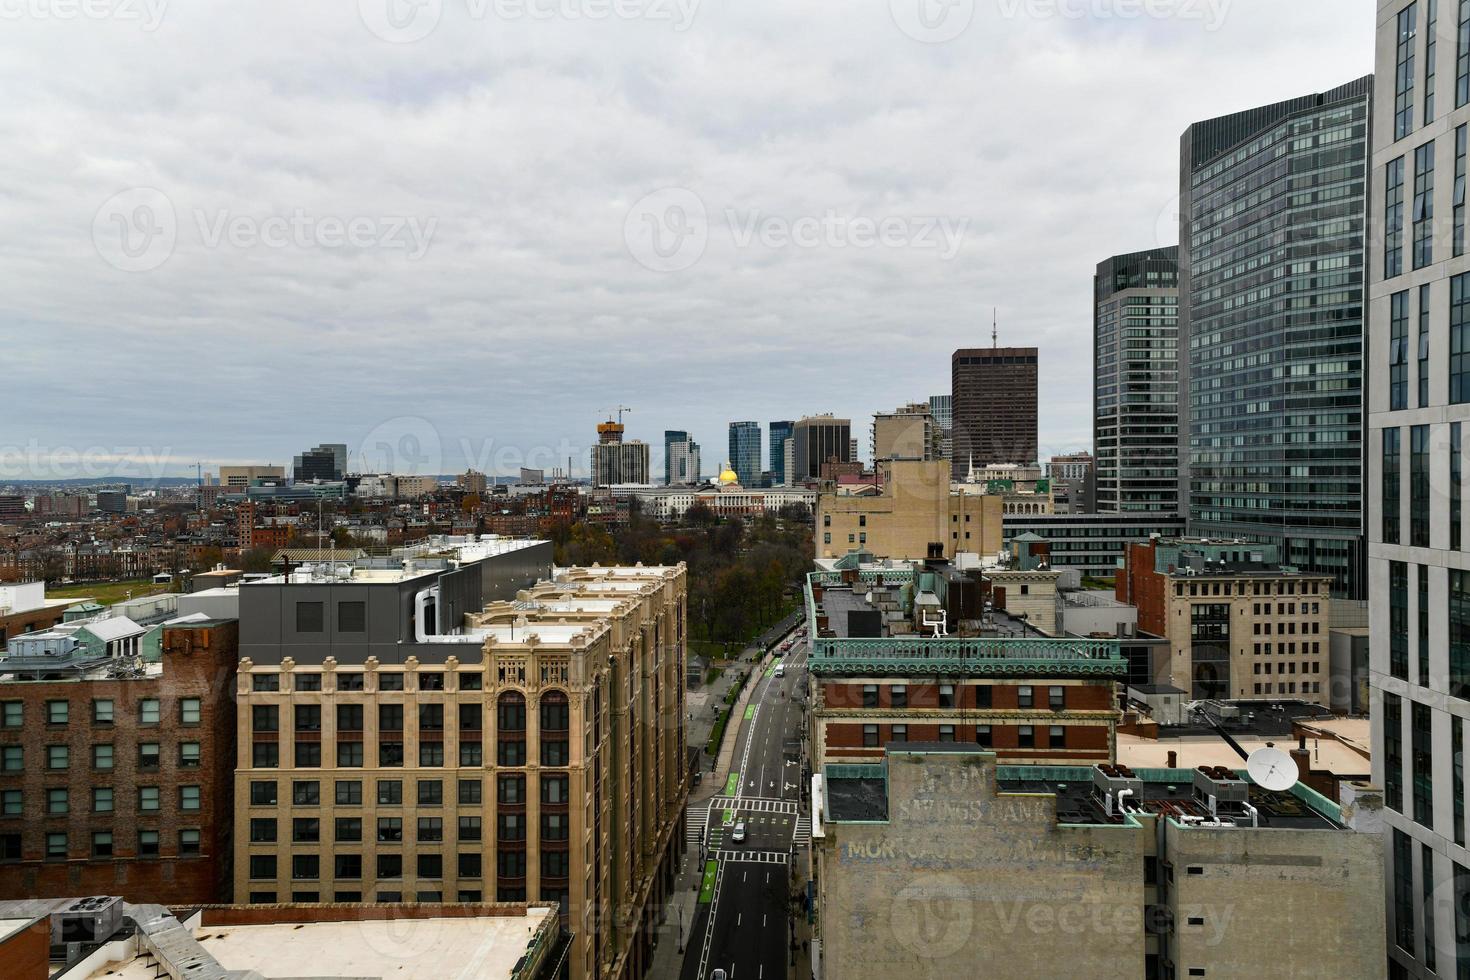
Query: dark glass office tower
x,y
1135,387
745,452
780,434
994,407
1273,218
671,436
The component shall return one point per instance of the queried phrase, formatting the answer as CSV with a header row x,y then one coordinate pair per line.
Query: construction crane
x,y
620,410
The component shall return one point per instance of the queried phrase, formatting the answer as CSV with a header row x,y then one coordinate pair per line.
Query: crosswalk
x,y
756,857
776,814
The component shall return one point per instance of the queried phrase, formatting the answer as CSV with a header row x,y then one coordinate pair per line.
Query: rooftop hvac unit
x,y
87,920
1221,783
1110,778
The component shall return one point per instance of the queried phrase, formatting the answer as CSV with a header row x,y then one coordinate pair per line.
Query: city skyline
x,y
524,332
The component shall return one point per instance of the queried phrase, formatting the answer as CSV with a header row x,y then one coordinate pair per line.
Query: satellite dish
x,y
1270,768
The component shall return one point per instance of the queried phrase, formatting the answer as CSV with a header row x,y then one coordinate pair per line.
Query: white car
x,y
780,670
737,836
717,975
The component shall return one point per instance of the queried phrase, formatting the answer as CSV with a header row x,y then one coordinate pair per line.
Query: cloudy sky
x,y
459,232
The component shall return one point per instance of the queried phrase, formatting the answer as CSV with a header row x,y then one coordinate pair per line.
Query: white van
x,y
780,670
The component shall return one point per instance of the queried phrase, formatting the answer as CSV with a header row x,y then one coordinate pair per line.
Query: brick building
x,y
1239,624
448,730
1031,699
115,774
24,608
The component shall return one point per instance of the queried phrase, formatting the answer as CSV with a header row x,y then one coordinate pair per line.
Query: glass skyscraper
x,y
780,434
1273,223
942,408
1135,388
745,452
672,436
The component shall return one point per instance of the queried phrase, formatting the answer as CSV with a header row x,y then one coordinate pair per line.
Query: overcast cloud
x,y
469,228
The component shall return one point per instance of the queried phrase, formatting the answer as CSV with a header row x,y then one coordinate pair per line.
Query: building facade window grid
x,y
1424,306
1392,507
1393,219
1419,505
1423,215
1403,107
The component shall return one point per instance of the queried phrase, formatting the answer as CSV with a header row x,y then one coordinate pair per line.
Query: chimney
x,y
1173,760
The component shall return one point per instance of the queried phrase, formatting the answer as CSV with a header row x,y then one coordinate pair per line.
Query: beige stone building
x,y
907,433
541,759
940,864
914,509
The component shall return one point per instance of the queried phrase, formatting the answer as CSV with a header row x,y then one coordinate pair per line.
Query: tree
x,y
256,560
700,515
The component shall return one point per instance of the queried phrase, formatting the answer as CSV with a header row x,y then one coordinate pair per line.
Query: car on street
x,y
737,836
780,670
717,975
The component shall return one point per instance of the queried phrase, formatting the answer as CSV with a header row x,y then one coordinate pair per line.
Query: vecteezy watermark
x,y
932,21
137,230
1211,12
669,230
34,461
148,14
407,21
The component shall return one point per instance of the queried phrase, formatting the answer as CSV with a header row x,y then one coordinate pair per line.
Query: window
x,y
189,797
511,789
9,847
349,717
265,683
1459,631
511,864
870,736
555,826
307,792
432,753
1459,196
1393,219
263,792
1056,737
12,714
1460,338
1419,486
149,756
1424,305
308,755
946,733
390,792
308,717
870,695
433,681
148,843
265,755
1398,351
471,681
1457,766
470,828
309,617
350,682
431,829
946,696
1025,698
12,758
1426,893
102,799
511,752
899,695
55,847
1392,508
307,682
262,830
265,718
1423,653
1403,105
148,798
189,755
262,867
899,733
11,803
431,866
554,789
1403,891
1056,698
431,792
148,711
102,712
1455,490
469,866
390,865
348,866
188,841
58,712
306,830
58,757
349,755
1026,737
351,617
1393,752
555,864
58,801
190,711
1462,73
390,830
983,736
392,681
348,829
470,792
431,717
1424,205
1431,29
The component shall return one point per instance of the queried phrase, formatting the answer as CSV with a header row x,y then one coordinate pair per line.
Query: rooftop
x,y
1085,796
400,948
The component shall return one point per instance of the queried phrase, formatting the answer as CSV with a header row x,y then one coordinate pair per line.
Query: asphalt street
x,y
743,924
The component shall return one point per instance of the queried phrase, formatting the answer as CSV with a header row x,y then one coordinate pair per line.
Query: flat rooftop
x,y
402,949
1199,750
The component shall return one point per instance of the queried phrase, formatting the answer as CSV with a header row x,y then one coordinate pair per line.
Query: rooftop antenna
x,y
994,327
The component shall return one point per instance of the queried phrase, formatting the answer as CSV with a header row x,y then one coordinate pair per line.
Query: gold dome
x,y
727,476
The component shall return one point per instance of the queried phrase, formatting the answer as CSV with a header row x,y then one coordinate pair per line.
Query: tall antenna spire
x,y
994,326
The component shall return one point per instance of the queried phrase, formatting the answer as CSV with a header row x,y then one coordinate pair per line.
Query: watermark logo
x,y
932,21
933,916
403,446
668,230
147,14
136,230
407,21
1211,13
401,21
